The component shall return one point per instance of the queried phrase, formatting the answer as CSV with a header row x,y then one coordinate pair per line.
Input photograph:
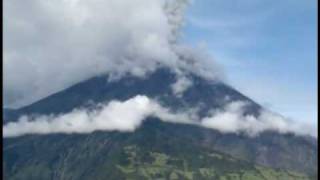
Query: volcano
x,y
156,149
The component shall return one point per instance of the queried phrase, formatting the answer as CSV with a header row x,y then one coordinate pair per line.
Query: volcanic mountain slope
x,y
207,94
156,150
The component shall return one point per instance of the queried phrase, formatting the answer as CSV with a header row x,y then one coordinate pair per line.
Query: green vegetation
x,y
152,152
161,168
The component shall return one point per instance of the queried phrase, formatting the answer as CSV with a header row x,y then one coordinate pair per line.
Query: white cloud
x,y
116,115
129,115
181,85
233,120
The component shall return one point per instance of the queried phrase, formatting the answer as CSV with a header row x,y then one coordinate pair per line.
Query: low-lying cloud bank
x,y
128,115
116,115
232,120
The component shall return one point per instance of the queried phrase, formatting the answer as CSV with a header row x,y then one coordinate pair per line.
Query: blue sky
x,y
268,49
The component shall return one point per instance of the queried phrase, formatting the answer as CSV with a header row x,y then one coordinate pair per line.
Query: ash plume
x,y
51,45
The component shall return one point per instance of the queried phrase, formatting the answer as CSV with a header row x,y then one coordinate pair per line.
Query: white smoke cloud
x,y
181,85
51,45
129,115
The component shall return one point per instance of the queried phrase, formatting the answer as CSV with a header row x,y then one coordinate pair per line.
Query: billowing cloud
x,y
232,119
121,116
50,45
128,115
